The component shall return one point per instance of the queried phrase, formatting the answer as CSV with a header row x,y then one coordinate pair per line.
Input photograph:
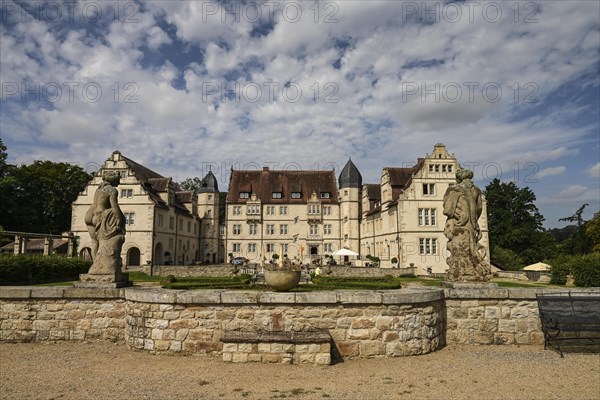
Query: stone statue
x,y
106,225
463,207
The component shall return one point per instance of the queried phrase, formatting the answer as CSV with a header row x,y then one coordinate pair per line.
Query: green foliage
x,y
394,260
38,197
191,184
245,278
26,269
515,223
585,269
592,230
507,259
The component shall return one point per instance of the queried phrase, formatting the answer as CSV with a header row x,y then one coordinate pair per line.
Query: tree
x,y
191,184
37,197
578,242
515,223
593,232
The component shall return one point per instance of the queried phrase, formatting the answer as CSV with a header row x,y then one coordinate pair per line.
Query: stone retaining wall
x,y
41,313
495,315
402,322
362,324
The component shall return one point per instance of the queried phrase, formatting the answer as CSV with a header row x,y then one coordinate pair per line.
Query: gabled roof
x,y
401,178
350,176
264,183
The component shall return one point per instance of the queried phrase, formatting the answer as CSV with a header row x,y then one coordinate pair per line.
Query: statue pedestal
x,y
106,281
469,285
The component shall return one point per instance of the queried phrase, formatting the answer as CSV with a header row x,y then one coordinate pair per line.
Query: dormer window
x,y
325,195
244,195
296,195
276,195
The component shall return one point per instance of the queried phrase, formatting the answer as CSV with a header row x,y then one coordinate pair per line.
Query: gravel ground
x,y
102,370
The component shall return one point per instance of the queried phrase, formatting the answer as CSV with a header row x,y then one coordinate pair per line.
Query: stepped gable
x,y
264,183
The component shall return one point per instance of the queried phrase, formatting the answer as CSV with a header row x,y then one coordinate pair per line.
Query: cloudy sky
x,y
512,88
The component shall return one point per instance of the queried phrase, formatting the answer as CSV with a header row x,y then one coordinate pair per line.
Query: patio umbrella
x,y
344,252
537,267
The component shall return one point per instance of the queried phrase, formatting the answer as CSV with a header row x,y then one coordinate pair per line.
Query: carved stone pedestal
x,y
107,281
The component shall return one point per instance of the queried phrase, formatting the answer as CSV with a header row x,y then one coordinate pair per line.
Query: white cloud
x,y
552,171
594,172
572,192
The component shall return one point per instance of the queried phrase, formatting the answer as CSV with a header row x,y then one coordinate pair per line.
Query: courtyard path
x,y
102,370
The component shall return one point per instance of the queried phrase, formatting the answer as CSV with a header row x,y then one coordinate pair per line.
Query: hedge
x,y
27,269
585,270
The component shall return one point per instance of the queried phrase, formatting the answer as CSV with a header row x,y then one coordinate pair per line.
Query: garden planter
x,y
282,281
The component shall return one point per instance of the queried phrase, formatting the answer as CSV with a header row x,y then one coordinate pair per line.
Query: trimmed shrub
x,y
26,269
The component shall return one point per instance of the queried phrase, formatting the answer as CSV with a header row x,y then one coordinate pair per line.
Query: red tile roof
x,y
264,183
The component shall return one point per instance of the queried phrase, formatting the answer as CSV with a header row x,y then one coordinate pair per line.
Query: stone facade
x,y
303,214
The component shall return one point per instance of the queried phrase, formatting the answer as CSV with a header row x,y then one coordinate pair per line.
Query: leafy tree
x,y
191,184
37,197
593,232
578,242
507,259
515,223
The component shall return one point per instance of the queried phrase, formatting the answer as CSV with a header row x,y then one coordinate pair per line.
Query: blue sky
x,y
512,88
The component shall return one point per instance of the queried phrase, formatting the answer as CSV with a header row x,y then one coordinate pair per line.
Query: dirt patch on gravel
x,y
101,370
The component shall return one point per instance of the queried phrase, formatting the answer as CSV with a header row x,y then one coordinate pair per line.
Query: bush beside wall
x,y
27,269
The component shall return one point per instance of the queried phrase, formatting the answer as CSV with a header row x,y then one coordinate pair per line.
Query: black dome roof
x,y
209,184
350,176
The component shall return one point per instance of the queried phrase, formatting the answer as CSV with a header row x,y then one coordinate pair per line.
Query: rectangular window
x,y
160,220
427,246
270,247
129,218
327,210
444,167
327,229
244,195
314,229
171,223
253,210
314,209
253,229
449,168
210,197
276,195
283,229
437,168
296,195
270,229
325,195
430,167
237,210
195,228
237,229
284,248
270,210
127,193
171,244
283,210
251,247
237,247
429,189
189,226
328,247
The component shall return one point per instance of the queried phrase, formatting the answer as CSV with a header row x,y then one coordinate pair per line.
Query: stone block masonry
x,y
361,324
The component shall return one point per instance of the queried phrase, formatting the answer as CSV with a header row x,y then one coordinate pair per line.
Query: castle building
x,y
271,213
162,222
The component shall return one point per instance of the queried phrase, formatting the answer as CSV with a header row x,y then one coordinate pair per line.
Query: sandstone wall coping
x,y
410,295
510,293
225,297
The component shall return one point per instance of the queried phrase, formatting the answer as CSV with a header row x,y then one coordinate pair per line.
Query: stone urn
x,y
282,280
